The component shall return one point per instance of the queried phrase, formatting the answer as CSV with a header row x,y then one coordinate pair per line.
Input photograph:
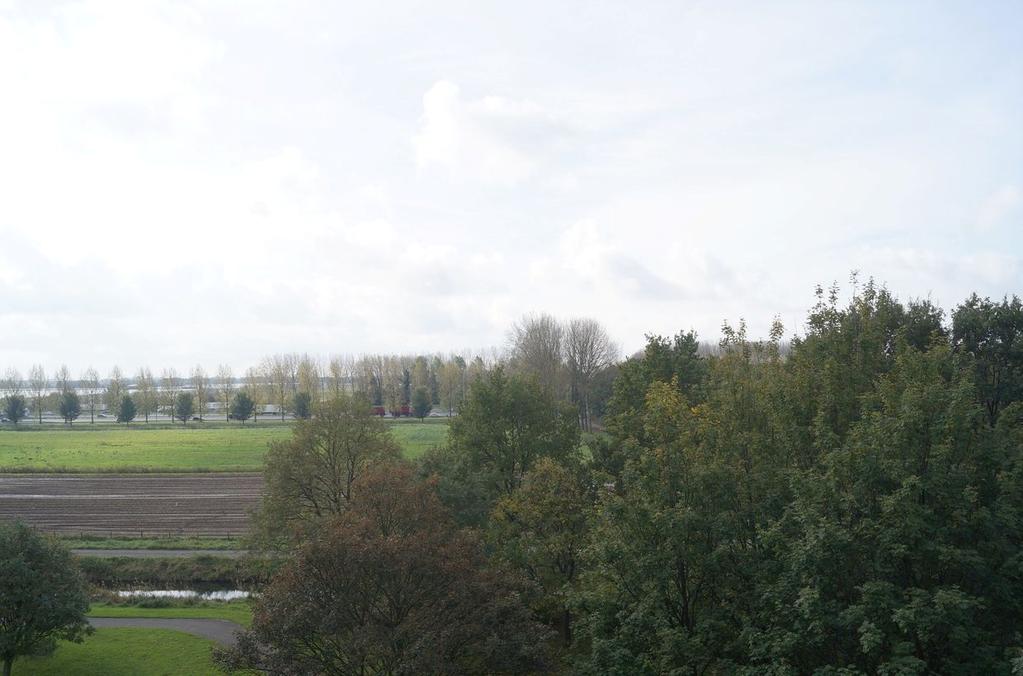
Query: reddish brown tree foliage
x,y
391,587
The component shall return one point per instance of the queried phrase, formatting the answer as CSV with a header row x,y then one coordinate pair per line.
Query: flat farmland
x,y
109,448
135,505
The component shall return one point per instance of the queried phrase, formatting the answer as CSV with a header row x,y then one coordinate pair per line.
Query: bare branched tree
x,y
169,386
62,379
537,349
37,382
145,393
115,390
225,387
255,385
201,385
310,377
12,384
588,350
90,381
281,372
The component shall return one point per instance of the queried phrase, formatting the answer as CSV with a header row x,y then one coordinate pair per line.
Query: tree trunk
x,y
8,663
566,626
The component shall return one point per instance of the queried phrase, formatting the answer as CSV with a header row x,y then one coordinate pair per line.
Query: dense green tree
x,y
184,406
902,555
845,508
992,334
69,406
302,405
242,406
542,528
663,360
15,407
43,596
422,404
406,386
677,542
844,351
506,424
126,410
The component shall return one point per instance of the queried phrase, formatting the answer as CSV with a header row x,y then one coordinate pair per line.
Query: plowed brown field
x,y
139,505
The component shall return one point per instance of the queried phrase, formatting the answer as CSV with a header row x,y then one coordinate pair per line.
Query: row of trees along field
x,y
574,360
853,505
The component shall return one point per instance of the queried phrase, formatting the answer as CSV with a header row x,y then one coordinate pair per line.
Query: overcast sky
x,y
209,182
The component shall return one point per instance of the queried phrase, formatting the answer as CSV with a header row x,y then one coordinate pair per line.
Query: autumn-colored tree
x,y
390,586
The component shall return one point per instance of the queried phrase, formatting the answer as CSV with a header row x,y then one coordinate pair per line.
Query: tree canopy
x,y
184,406
312,475
15,407
507,423
390,586
43,595
422,404
242,406
126,410
70,406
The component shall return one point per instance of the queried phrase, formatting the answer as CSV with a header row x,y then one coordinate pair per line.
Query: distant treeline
x,y
575,360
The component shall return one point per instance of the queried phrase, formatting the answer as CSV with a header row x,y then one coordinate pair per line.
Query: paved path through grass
x,y
221,631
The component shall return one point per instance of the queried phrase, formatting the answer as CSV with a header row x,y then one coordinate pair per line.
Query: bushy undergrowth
x,y
191,572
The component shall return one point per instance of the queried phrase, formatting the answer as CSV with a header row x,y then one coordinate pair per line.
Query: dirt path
x,y
221,631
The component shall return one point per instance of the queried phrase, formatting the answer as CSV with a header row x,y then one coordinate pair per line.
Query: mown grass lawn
x,y
120,652
235,611
183,449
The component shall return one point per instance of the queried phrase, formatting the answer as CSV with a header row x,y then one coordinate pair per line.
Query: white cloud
x,y
493,139
998,206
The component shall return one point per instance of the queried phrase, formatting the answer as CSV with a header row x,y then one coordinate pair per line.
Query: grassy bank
x,y
175,449
119,652
102,542
235,611
177,573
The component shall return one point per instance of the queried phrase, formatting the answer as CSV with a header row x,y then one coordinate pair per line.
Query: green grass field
x,y
102,542
235,611
180,449
124,652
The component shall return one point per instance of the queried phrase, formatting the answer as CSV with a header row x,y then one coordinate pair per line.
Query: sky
x,y
210,182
